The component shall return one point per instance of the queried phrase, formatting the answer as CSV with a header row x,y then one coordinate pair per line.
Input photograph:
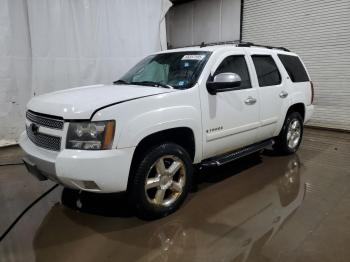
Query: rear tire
x,y
289,139
162,181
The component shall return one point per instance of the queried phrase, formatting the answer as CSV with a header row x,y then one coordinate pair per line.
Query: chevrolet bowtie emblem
x,y
35,129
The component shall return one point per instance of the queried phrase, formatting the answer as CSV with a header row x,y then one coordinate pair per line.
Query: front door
x,y
230,119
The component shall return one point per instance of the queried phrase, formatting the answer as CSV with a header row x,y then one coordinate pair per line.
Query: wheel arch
x,y
182,136
297,107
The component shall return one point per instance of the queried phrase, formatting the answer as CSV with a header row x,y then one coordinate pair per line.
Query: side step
x,y
228,157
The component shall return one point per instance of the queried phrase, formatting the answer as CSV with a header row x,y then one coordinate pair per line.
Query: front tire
x,y
291,134
161,182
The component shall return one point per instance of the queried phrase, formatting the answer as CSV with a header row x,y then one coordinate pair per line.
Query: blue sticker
x,y
181,83
187,64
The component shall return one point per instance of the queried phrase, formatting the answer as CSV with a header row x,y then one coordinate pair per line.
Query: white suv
x,y
204,105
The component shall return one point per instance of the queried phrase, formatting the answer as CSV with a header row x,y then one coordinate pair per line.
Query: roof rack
x,y
249,44
239,43
234,42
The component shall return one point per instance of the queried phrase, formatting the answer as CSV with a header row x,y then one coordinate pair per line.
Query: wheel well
x,y
299,107
182,136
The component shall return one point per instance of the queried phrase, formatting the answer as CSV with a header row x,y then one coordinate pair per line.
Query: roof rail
x,y
239,43
234,42
249,44
203,44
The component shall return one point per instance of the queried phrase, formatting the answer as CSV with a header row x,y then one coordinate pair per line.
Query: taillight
x,y
312,92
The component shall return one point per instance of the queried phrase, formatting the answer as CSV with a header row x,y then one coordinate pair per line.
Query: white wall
x,y
51,45
203,20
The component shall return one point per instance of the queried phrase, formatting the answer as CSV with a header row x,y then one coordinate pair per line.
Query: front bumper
x,y
104,171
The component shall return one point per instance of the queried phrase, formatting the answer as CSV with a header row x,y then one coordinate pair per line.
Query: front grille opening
x,y
44,140
47,121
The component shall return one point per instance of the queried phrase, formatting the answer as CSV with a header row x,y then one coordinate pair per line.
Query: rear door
x,y
270,82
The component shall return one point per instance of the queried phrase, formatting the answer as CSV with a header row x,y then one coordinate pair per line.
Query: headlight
x,y
90,135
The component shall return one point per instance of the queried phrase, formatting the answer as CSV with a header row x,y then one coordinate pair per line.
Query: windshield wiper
x,y
152,83
121,81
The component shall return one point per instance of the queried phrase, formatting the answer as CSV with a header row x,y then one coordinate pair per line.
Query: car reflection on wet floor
x,y
259,208
225,220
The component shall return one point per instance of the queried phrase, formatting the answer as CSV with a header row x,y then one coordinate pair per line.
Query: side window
x,y
294,67
235,64
266,70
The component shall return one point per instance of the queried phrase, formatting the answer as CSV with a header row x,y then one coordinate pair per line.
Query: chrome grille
x,y
49,122
44,140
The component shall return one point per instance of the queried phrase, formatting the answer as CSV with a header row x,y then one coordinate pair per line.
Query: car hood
x,y
82,102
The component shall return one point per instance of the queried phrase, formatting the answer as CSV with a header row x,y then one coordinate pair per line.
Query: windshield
x,y
174,70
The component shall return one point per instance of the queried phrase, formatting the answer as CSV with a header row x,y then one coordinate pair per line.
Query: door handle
x,y
283,94
250,101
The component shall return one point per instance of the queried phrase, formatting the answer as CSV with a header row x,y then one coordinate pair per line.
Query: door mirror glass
x,y
224,82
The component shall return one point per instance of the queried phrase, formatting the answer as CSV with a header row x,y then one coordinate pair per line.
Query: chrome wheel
x,y
294,134
165,180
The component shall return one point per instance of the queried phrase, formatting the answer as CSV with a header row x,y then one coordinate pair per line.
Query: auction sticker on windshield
x,y
193,57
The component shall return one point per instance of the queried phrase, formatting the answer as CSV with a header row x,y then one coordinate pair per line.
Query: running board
x,y
228,157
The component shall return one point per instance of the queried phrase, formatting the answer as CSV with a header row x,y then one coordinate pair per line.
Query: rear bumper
x,y
104,171
309,110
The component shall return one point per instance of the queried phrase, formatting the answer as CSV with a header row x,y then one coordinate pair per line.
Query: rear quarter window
x,y
294,68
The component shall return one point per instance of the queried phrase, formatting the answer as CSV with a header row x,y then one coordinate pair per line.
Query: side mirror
x,y
224,82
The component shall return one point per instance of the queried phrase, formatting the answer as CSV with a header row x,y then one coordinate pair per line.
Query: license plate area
x,y
33,169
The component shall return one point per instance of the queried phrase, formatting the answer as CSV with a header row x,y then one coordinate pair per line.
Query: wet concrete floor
x,y
260,208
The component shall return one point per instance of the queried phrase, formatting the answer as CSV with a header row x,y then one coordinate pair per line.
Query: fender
x,y
296,98
139,118
154,121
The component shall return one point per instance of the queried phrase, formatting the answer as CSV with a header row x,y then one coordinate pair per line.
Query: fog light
x,y
86,184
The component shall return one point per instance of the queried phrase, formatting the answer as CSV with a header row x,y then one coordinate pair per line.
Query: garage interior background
x,y
316,30
52,45
49,45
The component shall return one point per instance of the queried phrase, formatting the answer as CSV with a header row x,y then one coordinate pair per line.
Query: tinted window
x,y
266,70
235,64
294,67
